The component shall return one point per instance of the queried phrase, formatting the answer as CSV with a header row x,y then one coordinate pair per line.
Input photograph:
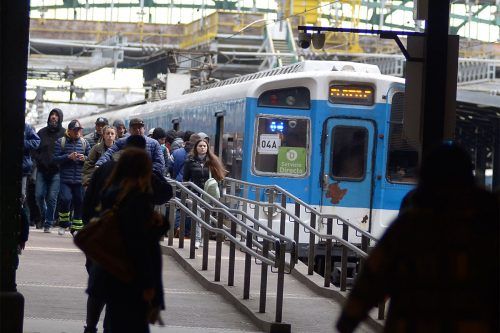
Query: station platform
x,y
53,279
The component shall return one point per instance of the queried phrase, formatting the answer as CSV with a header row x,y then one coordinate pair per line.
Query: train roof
x,y
304,73
304,66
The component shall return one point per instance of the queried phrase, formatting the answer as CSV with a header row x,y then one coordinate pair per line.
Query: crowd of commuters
x,y
76,177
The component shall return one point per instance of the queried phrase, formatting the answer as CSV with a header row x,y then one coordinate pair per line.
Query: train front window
x,y
348,157
402,159
281,147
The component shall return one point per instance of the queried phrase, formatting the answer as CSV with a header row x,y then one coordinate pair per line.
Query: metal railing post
x,y
283,214
232,254
182,224
270,208
248,267
218,246
205,233
296,229
171,218
343,260
310,257
263,278
281,282
328,254
192,235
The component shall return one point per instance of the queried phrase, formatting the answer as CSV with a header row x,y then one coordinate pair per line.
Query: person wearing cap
x,y
96,136
121,130
136,127
47,176
70,152
160,135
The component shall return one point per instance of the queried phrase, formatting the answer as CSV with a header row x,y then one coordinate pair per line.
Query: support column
x,y
14,32
435,74
495,186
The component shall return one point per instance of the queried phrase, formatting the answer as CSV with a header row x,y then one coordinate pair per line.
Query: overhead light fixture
x,y
318,40
304,39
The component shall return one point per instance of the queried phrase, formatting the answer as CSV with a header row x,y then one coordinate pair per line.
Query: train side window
x,y
282,146
403,154
348,156
290,98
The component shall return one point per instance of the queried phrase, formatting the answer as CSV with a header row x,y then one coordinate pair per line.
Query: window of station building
x,y
348,155
281,146
290,98
403,155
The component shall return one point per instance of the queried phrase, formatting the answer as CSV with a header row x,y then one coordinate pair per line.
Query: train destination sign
x,y
269,144
351,94
292,160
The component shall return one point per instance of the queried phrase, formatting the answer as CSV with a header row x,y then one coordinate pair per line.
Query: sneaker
x,y
61,231
197,245
46,230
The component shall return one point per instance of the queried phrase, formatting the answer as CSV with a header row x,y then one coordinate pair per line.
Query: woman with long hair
x,y
107,140
131,305
200,165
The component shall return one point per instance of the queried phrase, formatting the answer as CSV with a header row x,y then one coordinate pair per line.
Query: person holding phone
x,y
70,152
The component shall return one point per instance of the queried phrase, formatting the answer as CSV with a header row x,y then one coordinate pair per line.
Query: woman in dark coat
x,y
131,305
200,165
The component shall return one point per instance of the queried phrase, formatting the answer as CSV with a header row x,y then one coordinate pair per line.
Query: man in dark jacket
x,y
153,148
47,177
70,153
94,137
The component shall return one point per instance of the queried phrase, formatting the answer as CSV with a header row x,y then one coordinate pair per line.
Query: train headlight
x,y
290,100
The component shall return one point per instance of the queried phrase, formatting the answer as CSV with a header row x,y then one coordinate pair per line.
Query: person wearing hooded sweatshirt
x,y
47,177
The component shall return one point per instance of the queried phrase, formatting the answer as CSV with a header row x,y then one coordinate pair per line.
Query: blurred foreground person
x,y
439,260
131,306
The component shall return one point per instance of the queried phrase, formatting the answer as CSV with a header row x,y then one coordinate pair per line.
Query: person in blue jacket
x,y
70,152
31,142
153,148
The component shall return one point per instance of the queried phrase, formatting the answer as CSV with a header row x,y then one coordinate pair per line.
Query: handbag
x,y
211,186
102,242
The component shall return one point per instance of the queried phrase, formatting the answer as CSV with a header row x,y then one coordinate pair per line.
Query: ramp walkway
x,y
255,267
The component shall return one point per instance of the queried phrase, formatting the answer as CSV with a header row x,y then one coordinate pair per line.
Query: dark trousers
x,y
128,314
71,195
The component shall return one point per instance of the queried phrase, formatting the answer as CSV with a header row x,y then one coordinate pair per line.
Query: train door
x,y
347,178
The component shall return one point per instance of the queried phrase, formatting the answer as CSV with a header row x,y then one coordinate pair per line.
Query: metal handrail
x,y
232,185
302,223
279,190
267,258
230,212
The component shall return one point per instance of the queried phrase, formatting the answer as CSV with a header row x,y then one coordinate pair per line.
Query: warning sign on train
x,y
269,144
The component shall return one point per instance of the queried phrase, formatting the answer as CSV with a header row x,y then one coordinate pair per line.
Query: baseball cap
x,y
74,125
136,121
102,121
118,122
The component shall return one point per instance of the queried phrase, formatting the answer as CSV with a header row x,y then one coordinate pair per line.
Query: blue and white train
x,y
329,132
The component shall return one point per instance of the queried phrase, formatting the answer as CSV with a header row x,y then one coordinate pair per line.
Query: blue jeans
x,y
71,196
46,192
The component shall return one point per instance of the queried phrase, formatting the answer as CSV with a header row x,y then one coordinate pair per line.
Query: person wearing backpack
x,y
202,167
70,152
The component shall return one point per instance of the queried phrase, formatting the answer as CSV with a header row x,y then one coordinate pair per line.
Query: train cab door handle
x,y
325,180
